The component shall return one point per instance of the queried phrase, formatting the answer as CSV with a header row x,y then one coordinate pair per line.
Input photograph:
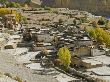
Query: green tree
x,y
18,5
24,20
101,22
27,2
47,8
107,24
13,4
64,56
3,1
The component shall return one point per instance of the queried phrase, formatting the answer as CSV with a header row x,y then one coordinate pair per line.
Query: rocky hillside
x,y
95,6
20,1
101,7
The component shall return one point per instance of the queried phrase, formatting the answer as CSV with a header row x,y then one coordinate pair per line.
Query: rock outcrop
x,y
101,7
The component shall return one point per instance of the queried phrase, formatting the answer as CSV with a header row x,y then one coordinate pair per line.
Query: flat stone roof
x,y
27,57
91,61
103,59
64,78
101,71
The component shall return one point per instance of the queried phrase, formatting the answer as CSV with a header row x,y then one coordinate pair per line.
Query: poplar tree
x,y
64,56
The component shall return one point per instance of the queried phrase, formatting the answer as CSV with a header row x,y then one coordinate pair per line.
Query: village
x,y
29,49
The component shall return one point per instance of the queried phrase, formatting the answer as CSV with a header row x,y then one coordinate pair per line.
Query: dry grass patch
x,y
17,79
8,74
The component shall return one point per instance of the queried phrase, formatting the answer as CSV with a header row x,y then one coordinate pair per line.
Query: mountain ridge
x,y
94,6
98,7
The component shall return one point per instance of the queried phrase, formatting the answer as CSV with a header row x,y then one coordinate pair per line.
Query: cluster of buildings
x,y
46,31
68,27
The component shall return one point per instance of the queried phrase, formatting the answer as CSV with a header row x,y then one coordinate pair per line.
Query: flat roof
x,y
16,51
10,43
15,36
27,57
103,58
35,66
101,71
91,61
64,78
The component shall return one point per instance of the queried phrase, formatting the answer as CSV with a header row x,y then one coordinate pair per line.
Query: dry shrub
x,y
17,79
8,74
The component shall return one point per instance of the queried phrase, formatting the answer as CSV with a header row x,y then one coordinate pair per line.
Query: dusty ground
x,y
8,65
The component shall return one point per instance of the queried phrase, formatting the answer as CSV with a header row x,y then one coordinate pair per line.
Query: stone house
x,y
42,45
86,63
45,37
10,45
90,63
84,41
82,51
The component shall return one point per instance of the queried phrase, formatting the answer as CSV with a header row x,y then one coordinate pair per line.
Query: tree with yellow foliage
x,y
5,11
18,15
13,4
92,33
100,35
64,56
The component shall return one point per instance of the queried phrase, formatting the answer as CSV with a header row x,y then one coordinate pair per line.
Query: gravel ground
x,y
8,65
6,79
